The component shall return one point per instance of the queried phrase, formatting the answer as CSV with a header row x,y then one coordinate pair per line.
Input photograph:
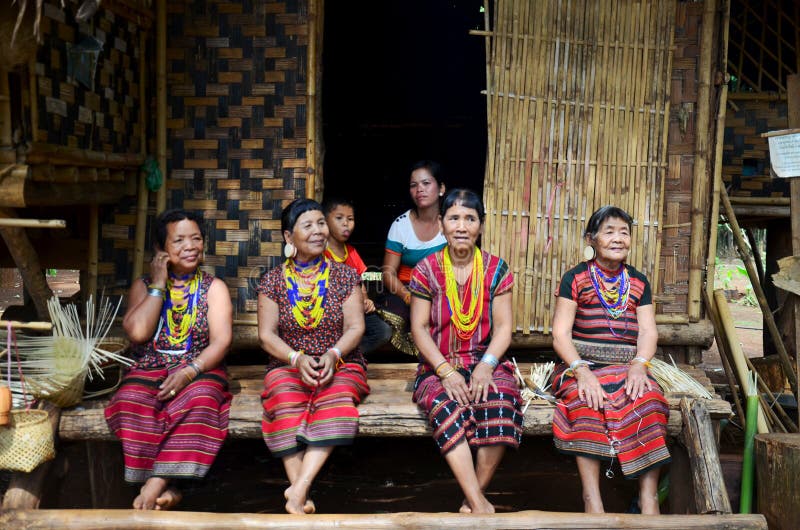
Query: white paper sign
x,y
784,155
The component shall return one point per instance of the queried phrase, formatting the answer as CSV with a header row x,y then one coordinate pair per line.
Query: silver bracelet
x,y
337,351
490,359
574,365
155,292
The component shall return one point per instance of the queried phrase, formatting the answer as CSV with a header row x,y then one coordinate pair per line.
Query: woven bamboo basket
x,y
27,441
110,373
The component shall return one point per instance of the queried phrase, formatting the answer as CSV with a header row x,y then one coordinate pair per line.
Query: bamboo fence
x,y
578,111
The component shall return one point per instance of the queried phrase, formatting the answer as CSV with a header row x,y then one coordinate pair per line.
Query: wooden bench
x,y
387,411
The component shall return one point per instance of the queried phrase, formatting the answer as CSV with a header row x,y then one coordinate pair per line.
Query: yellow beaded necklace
x,y
308,302
465,322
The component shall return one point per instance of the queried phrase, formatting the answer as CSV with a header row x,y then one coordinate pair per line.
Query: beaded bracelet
x,y
294,356
642,360
490,359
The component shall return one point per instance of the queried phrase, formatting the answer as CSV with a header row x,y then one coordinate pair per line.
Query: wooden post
x,y
701,444
769,319
778,479
700,179
311,102
25,489
161,97
5,110
142,194
793,97
94,247
27,261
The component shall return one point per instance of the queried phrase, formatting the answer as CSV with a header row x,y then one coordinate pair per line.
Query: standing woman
x,y
461,322
171,412
604,330
413,235
310,321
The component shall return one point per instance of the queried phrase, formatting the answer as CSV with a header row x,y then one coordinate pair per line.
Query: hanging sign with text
x,y
784,152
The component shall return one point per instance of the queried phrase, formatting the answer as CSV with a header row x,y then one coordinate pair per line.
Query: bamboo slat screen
x,y
763,44
578,111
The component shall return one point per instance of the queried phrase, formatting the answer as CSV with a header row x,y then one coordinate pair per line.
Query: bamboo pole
x,y
94,247
35,326
33,223
161,520
779,410
142,194
161,100
719,146
759,201
311,103
700,180
747,258
793,91
5,110
34,102
735,349
724,353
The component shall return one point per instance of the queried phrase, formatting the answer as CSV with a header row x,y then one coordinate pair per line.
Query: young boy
x,y
341,220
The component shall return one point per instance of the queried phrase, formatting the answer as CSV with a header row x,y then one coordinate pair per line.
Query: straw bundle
x,y
55,367
673,379
534,386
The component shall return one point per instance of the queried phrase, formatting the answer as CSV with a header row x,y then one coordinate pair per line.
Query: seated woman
x,y
604,330
171,412
461,322
412,236
310,320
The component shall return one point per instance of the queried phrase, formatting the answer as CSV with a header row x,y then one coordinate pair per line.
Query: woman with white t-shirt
x,y
413,235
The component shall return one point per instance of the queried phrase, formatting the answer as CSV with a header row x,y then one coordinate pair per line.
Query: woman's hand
x,y
369,306
480,382
174,383
637,382
327,367
456,387
309,369
589,388
158,269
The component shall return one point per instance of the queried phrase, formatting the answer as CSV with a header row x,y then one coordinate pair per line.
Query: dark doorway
x,y
401,82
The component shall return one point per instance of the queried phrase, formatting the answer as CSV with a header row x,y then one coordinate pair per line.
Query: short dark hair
x,y
168,217
467,198
294,210
601,215
434,168
330,204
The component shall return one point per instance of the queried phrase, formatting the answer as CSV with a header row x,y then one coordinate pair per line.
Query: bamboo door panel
x,y
578,110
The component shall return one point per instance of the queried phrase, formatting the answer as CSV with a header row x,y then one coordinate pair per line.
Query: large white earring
x,y
589,253
289,250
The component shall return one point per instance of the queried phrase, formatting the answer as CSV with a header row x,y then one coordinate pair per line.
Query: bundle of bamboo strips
x,y
55,367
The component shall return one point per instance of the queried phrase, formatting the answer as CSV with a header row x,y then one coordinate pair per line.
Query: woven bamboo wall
x,y
106,117
578,106
237,128
745,158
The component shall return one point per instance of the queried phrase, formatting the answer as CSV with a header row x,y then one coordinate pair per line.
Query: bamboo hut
x,y
586,103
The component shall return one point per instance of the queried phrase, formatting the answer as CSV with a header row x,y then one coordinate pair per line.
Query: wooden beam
x,y
142,193
700,178
711,497
43,153
754,210
94,251
54,194
36,326
26,260
159,520
311,103
793,94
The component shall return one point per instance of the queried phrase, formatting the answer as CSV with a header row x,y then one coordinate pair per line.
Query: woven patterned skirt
x,y
297,415
631,430
178,438
498,421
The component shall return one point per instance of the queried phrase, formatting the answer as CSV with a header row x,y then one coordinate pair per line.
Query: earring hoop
x,y
589,253
289,251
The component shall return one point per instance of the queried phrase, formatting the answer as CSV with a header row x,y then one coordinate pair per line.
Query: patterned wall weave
x,y
237,118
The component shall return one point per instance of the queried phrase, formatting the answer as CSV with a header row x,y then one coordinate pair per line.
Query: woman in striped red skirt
x,y
171,412
610,408
461,322
310,321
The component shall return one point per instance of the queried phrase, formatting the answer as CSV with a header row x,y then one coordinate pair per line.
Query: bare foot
x,y
152,490
296,502
465,508
649,505
309,506
169,498
482,507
